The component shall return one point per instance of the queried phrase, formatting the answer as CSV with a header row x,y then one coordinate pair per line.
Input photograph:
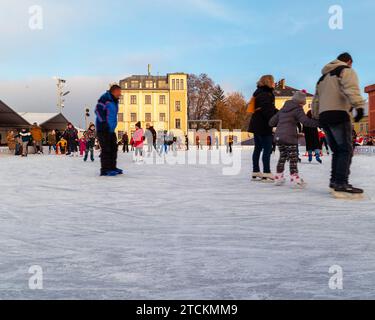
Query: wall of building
x,y
371,123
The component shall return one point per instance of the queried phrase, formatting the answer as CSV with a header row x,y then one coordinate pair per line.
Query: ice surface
x,y
180,232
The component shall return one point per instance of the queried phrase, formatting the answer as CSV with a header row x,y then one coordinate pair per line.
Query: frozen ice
x,y
181,232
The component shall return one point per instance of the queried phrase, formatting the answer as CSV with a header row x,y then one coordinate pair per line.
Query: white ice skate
x,y
297,182
257,176
268,178
279,180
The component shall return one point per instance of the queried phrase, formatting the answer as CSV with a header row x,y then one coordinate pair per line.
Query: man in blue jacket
x,y
106,123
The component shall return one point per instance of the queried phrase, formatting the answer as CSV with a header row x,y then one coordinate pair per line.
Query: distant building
x,y
371,109
284,93
160,101
362,127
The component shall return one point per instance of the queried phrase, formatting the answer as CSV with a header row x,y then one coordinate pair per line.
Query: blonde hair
x,y
267,80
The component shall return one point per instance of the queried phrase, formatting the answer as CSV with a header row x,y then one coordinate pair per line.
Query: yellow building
x,y
362,127
284,93
160,101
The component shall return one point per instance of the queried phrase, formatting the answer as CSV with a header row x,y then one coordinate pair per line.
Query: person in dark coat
x,y
71,135
312,141
125,143
264,110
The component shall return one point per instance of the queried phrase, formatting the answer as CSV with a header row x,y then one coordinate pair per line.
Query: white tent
x,y
48,121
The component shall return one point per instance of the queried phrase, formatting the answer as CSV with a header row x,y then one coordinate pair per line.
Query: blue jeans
x,y
339,137
262,143
317,154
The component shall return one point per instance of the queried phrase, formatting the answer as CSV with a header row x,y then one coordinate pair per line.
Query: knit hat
x,y
300,97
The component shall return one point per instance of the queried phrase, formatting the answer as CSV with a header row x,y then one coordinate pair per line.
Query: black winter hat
x,y
138,124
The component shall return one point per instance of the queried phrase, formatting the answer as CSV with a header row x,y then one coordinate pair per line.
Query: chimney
x,y
149,70
282,84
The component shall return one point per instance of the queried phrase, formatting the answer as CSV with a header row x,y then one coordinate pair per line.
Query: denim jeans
x,y
339,137
262,143
317,154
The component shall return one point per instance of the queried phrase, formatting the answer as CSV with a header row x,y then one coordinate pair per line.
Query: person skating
x,y
82,145
323,141
138,142
37,135
26,138
187,142
312,141
125,143
71,136
106,123
337,94
61,146
149,139
51,140
11,141
90,137
286,136
264,110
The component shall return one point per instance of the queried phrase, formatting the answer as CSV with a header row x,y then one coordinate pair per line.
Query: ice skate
x,y
257,176
297,182
347,192
280,180
268,178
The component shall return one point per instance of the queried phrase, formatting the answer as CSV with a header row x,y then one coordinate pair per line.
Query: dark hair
x,y
345,57
114,87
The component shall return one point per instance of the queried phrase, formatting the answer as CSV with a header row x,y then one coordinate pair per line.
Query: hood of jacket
x,y
290,106
107,97
333,65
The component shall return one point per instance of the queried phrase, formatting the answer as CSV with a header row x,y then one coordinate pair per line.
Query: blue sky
x,y
92,43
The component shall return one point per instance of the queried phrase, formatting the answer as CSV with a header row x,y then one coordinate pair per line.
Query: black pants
x,y
288,152
125,148
109,148
339,137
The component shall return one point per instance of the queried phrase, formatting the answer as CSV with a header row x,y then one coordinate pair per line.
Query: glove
x,y
360,114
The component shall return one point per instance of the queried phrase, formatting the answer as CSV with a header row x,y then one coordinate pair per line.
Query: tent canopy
x,y
48,121
11,119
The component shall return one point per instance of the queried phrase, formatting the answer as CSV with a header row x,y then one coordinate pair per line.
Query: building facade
x,y
284,93
160,101
370,90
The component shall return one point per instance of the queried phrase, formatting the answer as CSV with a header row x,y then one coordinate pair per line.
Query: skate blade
x,y
267,180
348,196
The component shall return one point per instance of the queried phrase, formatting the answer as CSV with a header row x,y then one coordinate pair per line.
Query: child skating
x,y
138,138
286,135
90,137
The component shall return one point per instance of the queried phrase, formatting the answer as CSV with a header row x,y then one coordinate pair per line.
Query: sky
x,y
92,43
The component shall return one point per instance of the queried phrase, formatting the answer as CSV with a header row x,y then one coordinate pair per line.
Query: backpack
x,y
251,106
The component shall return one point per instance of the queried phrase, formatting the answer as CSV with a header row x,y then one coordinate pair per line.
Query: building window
x,y
133,99
178,106
182,84
133,117
162,100
121,101
134,84
148,117
149,84
173,84
177,84
178,123
120,117
162,117
120,134
147,99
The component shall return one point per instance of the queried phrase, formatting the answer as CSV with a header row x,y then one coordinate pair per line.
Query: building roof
x,y
10,118
282,90
48,121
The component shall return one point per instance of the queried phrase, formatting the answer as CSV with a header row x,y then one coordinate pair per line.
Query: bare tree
x,y
200,93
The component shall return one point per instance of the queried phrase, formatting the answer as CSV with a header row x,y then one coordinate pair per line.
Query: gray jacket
x,y
286,121
337,90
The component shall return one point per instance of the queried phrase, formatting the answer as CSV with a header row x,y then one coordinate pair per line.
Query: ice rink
x,y
181,232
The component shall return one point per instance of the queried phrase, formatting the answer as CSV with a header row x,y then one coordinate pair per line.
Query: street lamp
x,y
60,93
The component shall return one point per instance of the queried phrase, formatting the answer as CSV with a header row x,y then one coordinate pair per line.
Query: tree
x,y
200,93
236,116
218,100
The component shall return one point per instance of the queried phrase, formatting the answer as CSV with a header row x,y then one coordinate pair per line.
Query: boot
x,y
279,179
